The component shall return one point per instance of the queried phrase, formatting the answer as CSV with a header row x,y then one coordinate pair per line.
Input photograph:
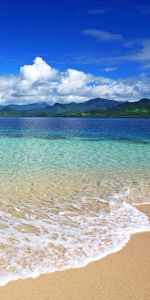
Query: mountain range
x,y
97,107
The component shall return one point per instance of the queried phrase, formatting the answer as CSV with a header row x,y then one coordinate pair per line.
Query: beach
x,y
71,226
75,150
121,275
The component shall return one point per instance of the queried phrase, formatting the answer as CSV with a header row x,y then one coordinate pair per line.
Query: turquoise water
x,y
20,154
67,191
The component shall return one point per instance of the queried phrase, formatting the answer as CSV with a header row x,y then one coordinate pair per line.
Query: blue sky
x,y
107,39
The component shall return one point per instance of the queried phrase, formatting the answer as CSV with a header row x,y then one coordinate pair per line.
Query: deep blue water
x,y
128,129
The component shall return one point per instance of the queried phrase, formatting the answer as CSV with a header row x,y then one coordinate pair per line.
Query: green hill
x,y
92,108
140,109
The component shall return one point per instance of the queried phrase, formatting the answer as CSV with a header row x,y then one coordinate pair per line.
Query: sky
x,y
65,51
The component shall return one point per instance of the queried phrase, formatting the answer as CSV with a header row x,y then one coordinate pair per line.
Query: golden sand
x,y
124,275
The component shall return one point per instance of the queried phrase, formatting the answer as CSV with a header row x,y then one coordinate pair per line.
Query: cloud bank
x,y
40,82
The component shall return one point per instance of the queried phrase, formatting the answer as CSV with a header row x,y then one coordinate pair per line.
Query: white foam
x,y
65,240
141,203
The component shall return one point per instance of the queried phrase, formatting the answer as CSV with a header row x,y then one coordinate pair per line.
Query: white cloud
x,y
138,49
109,69
40,82
40,70
142,54
72,81
102,35
119,90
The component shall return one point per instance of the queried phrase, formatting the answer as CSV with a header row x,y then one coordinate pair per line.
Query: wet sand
x,y
120,276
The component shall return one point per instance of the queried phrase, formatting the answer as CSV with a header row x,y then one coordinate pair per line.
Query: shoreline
x,y
82,283
145,208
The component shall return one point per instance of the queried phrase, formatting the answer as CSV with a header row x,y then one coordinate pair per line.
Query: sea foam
x,y
45,241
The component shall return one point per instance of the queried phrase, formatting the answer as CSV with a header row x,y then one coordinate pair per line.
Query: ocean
x,y
68,189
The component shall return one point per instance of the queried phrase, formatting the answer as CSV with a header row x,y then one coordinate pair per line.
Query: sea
x,y
68,187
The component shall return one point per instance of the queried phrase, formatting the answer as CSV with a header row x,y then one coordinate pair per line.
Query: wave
x,y
45,240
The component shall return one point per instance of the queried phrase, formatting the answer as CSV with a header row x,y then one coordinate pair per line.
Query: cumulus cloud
x,y
72,81
40,70
40,82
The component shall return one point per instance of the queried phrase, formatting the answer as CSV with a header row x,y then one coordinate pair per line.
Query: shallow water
x,y
67,189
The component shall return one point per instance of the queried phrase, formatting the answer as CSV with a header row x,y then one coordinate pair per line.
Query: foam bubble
x,y
47,241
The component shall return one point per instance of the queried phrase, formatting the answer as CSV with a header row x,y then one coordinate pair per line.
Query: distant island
x,y
98,107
